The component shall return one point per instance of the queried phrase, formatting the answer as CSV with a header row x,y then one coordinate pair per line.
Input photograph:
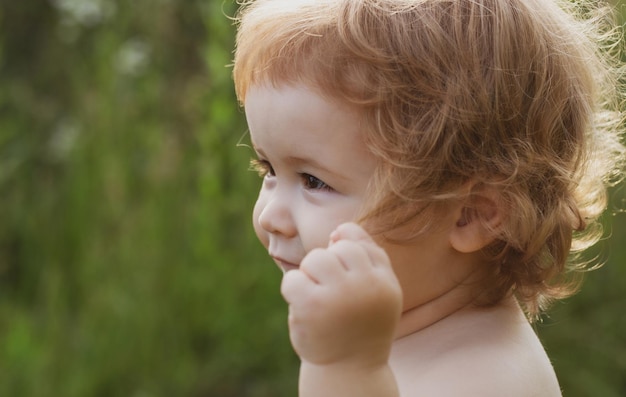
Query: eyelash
x,y
310,182
262,167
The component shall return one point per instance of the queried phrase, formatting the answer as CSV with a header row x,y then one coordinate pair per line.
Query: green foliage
x,y
127,263
586,335
128,266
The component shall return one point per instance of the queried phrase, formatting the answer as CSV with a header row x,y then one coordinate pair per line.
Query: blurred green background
x,y
128,266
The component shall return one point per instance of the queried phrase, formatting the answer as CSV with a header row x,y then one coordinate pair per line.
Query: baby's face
x,y
316,169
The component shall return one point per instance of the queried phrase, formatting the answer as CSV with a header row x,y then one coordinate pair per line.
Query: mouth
x,y
284,265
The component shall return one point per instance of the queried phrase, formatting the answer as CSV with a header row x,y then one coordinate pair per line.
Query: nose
x,y
275,214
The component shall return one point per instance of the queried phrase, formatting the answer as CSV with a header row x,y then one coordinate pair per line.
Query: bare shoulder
x,y
475,352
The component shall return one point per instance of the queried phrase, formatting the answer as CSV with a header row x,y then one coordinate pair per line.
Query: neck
x,y
425,314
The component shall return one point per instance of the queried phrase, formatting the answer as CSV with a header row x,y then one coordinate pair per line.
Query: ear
x,y
476,220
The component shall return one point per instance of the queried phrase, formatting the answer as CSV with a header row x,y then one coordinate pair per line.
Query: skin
x,y
368,317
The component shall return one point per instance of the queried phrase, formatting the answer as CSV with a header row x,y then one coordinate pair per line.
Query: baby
x,y
430,168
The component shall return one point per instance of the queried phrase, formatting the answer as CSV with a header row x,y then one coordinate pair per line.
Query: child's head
x,y
458,96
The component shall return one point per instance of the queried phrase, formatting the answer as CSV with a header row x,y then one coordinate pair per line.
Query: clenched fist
x,y
344,301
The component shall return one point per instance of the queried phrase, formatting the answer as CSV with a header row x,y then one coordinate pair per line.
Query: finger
x,y
377,255
322,266
354,232
295,284
352,255
350,231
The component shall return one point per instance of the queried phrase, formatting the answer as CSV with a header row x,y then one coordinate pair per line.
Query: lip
x,y
284,265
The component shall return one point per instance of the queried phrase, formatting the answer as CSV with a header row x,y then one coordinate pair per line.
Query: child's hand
x,y
344,301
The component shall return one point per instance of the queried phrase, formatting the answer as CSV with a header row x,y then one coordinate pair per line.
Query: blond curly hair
x,y
518,95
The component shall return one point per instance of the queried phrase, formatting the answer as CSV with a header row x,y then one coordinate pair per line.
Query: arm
x,y
344,304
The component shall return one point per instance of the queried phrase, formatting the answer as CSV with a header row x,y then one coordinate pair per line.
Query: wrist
x,y
362,378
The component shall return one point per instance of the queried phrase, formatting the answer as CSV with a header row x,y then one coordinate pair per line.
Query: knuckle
x,y
343,246
285,285
311,258
290,284
314,255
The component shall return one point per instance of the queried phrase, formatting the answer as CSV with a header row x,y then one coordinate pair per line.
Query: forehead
x,y
299,107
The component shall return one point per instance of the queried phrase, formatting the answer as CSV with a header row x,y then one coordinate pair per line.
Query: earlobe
x,y
476,222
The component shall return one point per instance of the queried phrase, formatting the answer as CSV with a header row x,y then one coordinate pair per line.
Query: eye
x,y
313,183
262,167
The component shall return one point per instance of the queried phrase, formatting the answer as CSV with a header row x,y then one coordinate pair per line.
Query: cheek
x,y
260,232
316,226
